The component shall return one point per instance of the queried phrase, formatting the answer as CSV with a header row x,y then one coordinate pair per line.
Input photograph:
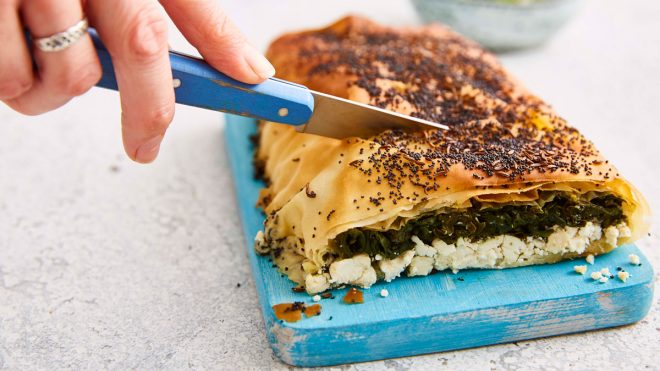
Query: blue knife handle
x,y
200,85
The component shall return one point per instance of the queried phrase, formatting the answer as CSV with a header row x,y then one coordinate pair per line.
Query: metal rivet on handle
x,y
283,112
176,83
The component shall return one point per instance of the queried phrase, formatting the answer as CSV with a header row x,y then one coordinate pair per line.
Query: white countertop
x,y
106,263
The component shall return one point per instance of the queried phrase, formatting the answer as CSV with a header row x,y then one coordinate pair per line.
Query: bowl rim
x,y
498,3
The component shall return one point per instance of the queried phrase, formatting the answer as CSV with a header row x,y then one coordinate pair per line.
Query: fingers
x,y
223,46
61,75
15,64
135,34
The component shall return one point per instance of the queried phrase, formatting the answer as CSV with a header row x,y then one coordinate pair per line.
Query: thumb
x,y
207,27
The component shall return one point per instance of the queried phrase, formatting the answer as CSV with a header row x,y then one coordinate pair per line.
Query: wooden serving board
x,y
439,312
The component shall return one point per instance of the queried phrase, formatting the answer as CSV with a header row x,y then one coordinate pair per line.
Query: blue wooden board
x,y
438,312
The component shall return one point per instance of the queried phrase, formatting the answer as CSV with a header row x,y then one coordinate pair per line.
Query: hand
x,y
135,34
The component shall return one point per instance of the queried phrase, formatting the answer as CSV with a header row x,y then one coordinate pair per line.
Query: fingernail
x,y
148,151
259,64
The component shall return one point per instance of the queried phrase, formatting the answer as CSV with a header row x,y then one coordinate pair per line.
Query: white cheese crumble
x,y
316,297
392,268
623,276
590,259
596,276
317,282
420,266
559,240
354,271
581,269
507,250
611,235
603,279
605,272
384,293
378,257
422,249
634,259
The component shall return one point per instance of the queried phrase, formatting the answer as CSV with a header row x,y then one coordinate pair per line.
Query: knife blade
x,y
198,84
336,117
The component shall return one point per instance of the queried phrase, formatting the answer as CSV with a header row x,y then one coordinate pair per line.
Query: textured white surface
x,y
109,264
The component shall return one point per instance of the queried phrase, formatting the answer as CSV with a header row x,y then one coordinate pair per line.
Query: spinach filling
x,y
480,222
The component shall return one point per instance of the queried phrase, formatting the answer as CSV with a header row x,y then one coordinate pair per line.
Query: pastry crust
x,y
504,145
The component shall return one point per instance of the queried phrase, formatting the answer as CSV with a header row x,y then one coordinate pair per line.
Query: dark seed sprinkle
x,y
309,192
494,127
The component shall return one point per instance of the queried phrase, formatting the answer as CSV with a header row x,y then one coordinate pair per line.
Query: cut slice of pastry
x,y
510,184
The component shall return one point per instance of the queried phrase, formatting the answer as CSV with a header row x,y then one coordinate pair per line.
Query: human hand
x,y
135,34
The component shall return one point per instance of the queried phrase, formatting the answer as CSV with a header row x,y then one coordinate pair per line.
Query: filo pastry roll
x,y
509,184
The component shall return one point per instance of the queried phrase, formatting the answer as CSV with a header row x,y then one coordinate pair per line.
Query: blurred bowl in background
x,y
500,25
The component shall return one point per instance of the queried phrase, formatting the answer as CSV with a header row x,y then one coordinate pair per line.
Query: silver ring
x,y
64,39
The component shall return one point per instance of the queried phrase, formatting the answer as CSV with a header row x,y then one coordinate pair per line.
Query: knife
x,y
198,84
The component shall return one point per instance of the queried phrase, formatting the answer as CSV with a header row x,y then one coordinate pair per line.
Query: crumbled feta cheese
x,y
367,278
611,235
560,239
316,297
392,268
623,276
591,231
355,271
384,293
590,259
443,248
512,248
582,269
422,249
507,250
603,279
347,270
420,266
605,272
378,257
316,283
596,276
634,259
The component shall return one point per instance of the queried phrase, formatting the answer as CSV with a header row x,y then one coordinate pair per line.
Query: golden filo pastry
x,y
509,184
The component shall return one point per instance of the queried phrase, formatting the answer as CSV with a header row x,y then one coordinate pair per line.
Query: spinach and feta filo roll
x,y
510,184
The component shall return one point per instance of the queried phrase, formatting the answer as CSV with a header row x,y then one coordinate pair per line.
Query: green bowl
x,y
501,25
